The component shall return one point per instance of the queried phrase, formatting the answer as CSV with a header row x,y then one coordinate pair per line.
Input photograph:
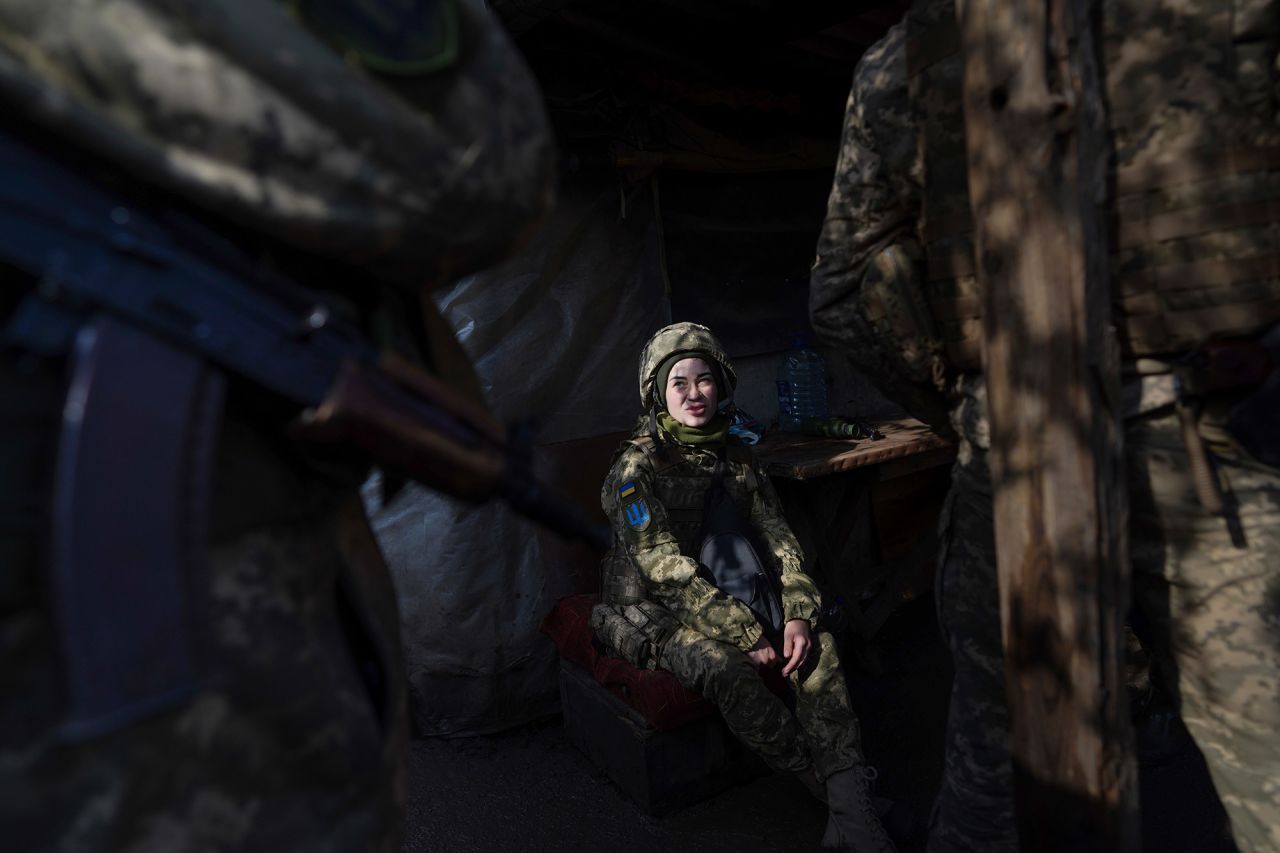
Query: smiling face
x,y
691,392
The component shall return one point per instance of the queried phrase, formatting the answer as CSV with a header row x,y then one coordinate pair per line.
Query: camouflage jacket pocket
x,y
620,580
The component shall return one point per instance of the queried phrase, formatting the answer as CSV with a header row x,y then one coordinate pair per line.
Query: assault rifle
x,y
152,330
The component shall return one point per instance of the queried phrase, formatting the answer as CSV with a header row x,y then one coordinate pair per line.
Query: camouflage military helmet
x,y
682,338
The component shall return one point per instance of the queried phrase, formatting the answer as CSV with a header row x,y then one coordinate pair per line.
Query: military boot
x,y
853,824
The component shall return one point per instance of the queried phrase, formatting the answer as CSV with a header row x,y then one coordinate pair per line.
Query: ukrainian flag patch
x,y
626,490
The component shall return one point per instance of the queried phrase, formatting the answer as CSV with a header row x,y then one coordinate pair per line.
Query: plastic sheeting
x,y
555,335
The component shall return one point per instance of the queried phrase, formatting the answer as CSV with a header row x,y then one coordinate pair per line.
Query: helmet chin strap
x,y
653,426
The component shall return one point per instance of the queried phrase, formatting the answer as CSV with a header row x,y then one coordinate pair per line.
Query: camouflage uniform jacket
x,y
655,511
1192,113
256,120
868,243
267,115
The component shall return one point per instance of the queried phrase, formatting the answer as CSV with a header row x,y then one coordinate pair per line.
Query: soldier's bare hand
x,y
762,653
796,642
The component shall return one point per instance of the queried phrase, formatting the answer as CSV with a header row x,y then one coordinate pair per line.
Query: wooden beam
x,y
1037,155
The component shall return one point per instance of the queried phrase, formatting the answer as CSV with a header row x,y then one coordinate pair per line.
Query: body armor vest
x,y
631,626
1194,210
681,485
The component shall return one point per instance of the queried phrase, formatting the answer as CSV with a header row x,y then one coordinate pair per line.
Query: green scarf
x,y
713,433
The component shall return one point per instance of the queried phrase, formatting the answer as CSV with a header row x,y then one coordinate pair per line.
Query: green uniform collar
x,y
712,435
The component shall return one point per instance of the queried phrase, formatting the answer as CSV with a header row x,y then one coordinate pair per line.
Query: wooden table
x,y
865,512
802,457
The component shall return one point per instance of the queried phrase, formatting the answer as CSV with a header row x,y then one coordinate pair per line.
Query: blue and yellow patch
x,y
626,490
637,513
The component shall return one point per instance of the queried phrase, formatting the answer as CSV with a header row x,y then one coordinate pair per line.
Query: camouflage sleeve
x,y
641,530
863,299
800,598
875,195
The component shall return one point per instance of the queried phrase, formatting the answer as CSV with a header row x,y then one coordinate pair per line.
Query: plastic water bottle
x,y
802,385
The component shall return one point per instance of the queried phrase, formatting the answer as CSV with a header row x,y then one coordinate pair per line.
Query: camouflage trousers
x,y
1212,613
822,733
295,738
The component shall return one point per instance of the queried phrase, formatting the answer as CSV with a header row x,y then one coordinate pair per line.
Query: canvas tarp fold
x,y
554,334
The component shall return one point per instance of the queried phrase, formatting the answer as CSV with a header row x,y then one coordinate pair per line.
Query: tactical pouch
x,y
620,580
635,632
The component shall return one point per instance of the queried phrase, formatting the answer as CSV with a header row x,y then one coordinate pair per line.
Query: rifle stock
x,y
410,423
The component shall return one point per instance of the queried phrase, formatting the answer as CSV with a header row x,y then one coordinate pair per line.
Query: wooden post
x,y
1037,158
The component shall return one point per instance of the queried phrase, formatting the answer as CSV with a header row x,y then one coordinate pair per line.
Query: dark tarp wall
x,y
739,249
555,335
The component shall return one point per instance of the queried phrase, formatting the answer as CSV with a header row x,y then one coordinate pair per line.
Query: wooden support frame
x,y
1037,155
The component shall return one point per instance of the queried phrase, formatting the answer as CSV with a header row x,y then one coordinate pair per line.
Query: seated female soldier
x,y
662,606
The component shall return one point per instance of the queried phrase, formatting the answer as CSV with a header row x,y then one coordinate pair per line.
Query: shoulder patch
x,y
637,513
627,489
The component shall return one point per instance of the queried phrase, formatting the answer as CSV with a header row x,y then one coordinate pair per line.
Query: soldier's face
x,y
691,392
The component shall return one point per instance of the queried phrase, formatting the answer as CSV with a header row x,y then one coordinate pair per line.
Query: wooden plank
x,y
1209,272
1036,145
923,461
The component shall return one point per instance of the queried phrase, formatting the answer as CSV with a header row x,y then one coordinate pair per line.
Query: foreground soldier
x,y
659,609
1192,110
198,637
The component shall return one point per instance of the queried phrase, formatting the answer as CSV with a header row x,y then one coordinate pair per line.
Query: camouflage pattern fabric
x,y
823,733
297,739
634,631
1213,610
655,510
974,807
656,519
239,115
1212,616
1197,149
235,106
1193,117
675,339
620,581
859,302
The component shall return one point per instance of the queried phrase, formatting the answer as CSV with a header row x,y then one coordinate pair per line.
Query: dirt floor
x,y
530,790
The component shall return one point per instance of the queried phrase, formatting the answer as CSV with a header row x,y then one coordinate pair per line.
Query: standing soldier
x,y
215,215
1192,100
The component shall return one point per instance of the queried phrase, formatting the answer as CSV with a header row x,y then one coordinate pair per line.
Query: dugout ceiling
x,y
731,111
